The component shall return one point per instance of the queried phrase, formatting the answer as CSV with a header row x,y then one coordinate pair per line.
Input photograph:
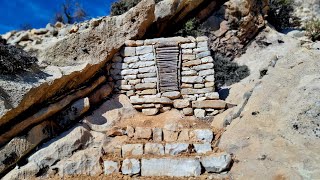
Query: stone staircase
x,y
165,152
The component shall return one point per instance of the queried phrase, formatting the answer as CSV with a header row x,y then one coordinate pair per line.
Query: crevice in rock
x,y
238,110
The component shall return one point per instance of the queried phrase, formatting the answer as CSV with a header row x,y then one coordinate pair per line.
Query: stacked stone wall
x,y
138,71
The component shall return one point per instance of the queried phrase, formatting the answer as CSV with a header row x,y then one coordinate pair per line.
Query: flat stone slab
x,y
202,148
132,150
216,162
142,133
176,148
182,167
214,104
154,149
203,135
162,100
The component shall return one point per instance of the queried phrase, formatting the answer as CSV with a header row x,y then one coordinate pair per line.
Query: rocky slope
x,y
271,127
276,134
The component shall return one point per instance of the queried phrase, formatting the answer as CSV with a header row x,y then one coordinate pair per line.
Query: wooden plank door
x,y
168,65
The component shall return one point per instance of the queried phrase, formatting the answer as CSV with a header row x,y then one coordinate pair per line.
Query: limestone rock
x,y
144,50
132,150
215,104
200,113
85,162
176,148
196,91
212,96
181,103
130,131
184,135
115,131
142,133
216,163
157,134
170,136
172,94
203,135
49,111
130,166
110,167
187,111
162,100
192,79
61,54
150,111
154,149
18,147
182,167
202,148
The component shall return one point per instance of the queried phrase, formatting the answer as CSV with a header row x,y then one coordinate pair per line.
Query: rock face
x,y
67,52
235,24
278,124
307,10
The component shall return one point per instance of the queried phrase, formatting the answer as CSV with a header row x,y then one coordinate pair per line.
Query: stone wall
x,y
164,73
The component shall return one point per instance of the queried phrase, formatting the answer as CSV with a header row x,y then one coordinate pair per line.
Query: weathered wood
x,y
167,60
168,48
168,54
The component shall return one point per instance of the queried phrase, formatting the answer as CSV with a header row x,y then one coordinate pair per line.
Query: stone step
x,y
170,166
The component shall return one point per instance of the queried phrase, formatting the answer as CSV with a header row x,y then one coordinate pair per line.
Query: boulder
x,y
20,146
84,162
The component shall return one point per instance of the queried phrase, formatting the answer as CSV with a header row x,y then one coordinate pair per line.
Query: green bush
x,y
191,28
313,29
122,6
281,14
228,72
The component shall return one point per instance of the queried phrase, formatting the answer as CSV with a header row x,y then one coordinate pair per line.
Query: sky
x,y
38,13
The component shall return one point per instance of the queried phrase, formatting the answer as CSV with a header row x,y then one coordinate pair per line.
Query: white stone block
x,y
110,167
176,148
130,166
182,167
202,148
216,162
144,50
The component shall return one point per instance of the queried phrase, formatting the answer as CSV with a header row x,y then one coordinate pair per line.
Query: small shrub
x,y
281,14
313,29
13,59
122,6
191,28
228,72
